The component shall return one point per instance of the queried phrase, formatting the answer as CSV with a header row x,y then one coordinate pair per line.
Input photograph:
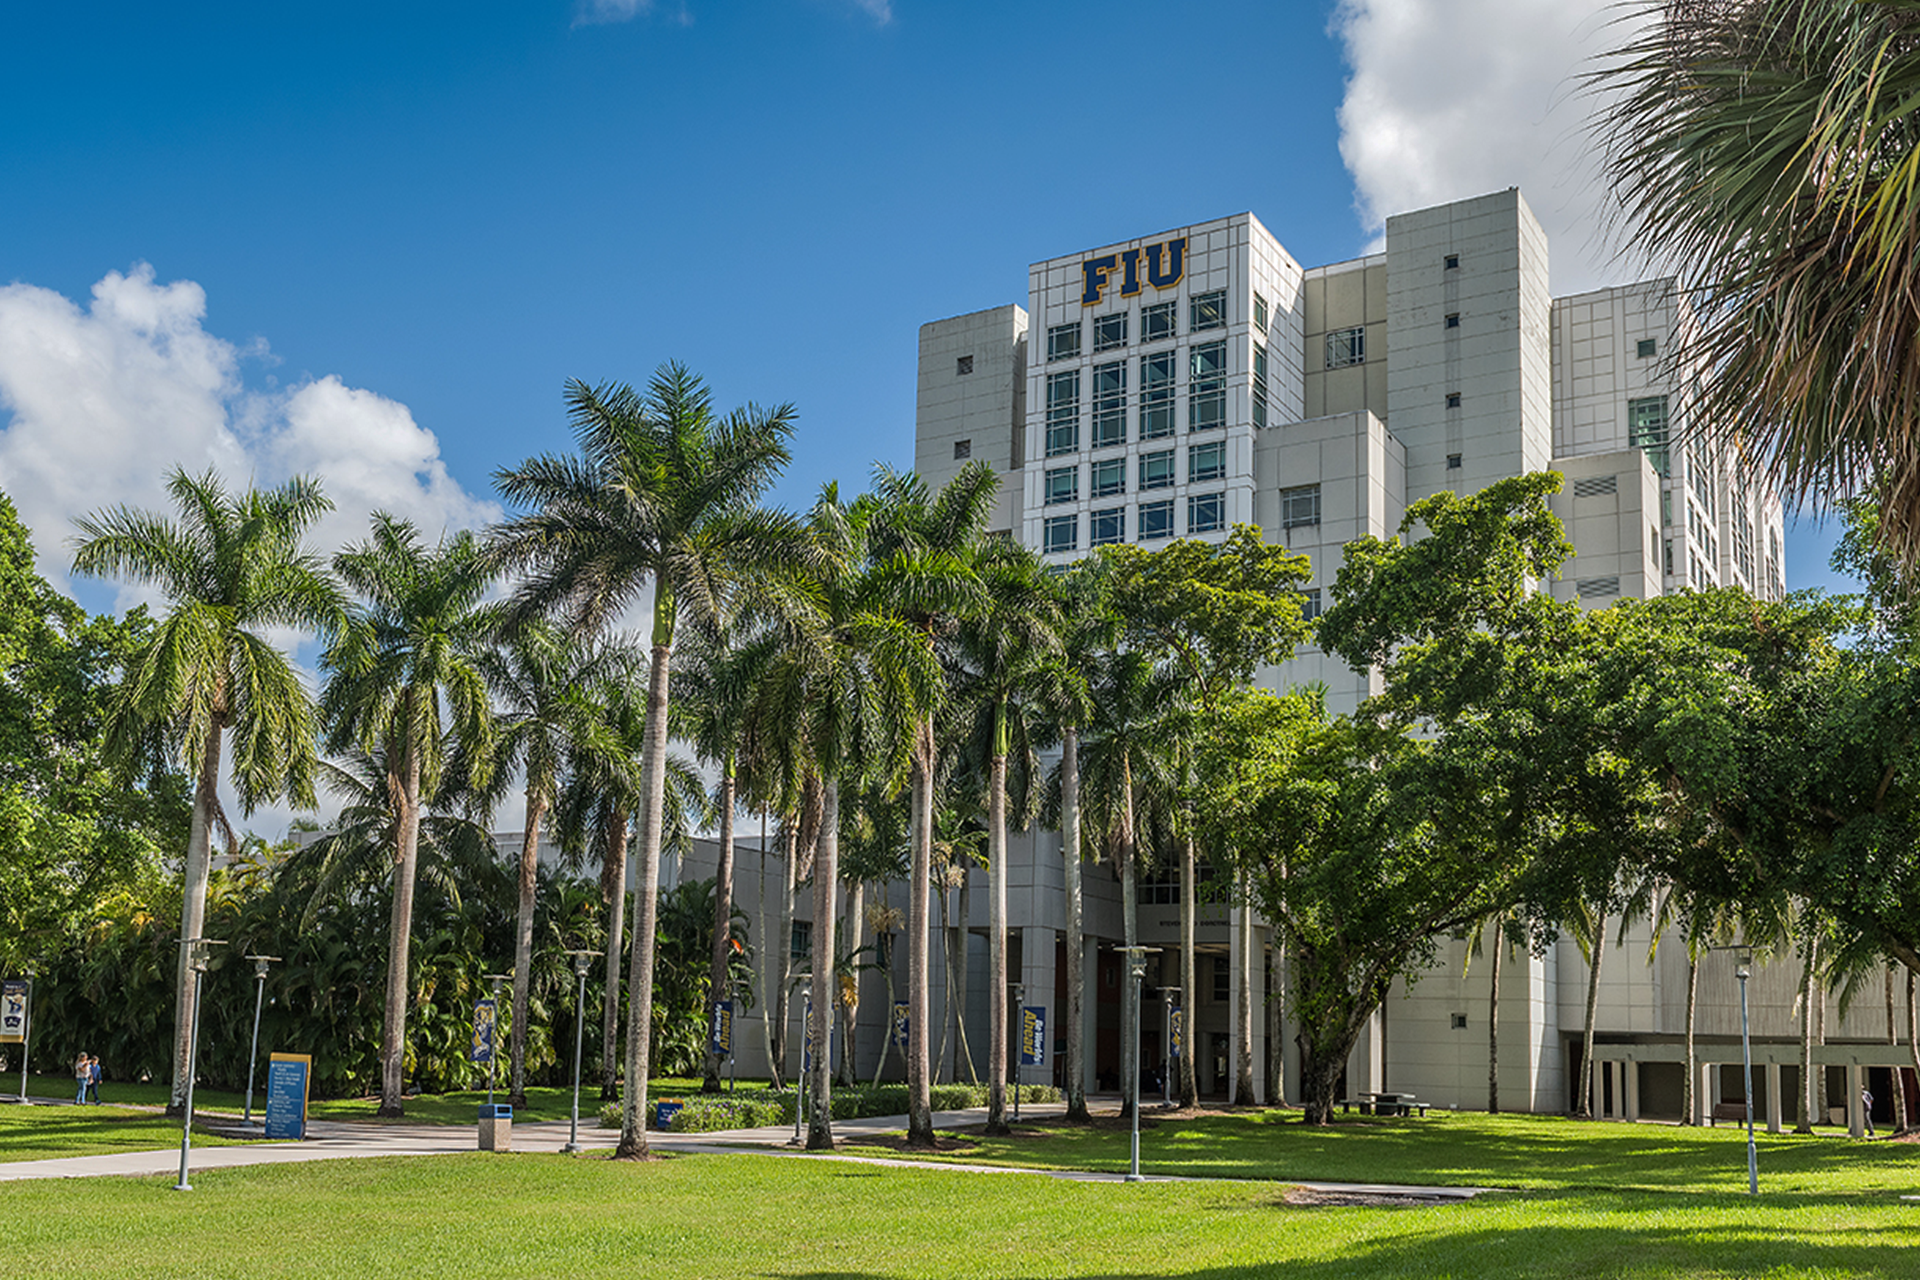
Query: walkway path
x,y
340,1140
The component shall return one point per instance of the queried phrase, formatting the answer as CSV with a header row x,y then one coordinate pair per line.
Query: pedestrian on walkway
x,y
1866,1109
82,1073
93,1079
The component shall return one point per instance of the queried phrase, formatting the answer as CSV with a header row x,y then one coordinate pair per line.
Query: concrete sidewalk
x,y
339,1140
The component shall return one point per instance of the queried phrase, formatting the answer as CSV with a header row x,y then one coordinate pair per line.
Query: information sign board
x,y
287,1075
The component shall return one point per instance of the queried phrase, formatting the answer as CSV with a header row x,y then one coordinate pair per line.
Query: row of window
x,y
1206,513
1156,471
1206,398
1157,324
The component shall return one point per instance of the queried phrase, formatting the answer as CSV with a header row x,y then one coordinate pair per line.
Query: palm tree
x,y
923,548
538,675
1009,651
232,566
1765,149
405,682
661,495
594,815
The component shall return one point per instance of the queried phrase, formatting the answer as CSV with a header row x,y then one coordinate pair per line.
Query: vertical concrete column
x,y
1702,1093
1773,1097
1037,947
1257,976
1089,1012
1856,1113
1596,1089
1631,1070
1236,978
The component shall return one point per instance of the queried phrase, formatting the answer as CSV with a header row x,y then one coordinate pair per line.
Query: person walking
x,y
82,1073
1866,1109
93,1079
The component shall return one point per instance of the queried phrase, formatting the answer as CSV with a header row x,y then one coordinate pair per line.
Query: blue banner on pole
x,y
1033,1036
483,1032
287,1095
13,1011
1173,1029
720,1034
900,1023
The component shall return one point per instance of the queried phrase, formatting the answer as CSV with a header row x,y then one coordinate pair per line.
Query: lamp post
x,y
582,961
1136,976
196,955
493,1052
1019,1014
1743,970
1169,995
260,964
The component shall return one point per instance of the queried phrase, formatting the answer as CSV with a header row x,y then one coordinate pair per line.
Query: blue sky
x,y
391,232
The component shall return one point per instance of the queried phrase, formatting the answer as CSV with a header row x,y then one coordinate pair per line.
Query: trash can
x,y
496,1127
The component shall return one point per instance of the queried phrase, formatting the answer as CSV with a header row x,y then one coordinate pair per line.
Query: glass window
x,y
1063,485
1300,506
962,450
1157,321
1156,395
1063,412
1259,385
1156,470
1647,429
1109,477
1206,462
1345,347
1646,347
963,365
1453,399
1110,404
1061,533
1259,313
1063,341
1207,387
1107,526
1206,512
1453,260
1453,319
1207,311
800,942
1310,603
1109,332
1156,520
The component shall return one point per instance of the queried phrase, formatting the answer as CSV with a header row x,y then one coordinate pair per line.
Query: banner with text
x,y
483,1031
1033,1036
13,1011
720,1035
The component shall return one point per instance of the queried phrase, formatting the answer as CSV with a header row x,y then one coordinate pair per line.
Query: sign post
x,y
16,1021
288,1077
720,1036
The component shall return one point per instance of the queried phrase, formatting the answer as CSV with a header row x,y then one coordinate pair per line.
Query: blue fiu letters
x,y
1097,273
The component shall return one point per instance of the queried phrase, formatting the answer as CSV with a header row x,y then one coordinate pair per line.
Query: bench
x,y
1734,1111
1385,1104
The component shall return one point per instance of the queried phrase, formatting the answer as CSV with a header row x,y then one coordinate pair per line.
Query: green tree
x,y
661,495
1010,652
232,567
1766,149
539,675
406,684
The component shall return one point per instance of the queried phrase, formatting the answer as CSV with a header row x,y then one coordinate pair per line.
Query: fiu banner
x,y
483,1031
1165,264
13,1011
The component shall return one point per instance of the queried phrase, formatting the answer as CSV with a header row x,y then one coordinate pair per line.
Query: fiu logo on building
x,y
1165,263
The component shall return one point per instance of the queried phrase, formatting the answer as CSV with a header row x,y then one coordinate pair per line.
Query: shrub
x,y
755,1108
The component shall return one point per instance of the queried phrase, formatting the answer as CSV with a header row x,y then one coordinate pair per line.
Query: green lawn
x,y
133,1093
46,1133
690,1216
1463,1149
543,1103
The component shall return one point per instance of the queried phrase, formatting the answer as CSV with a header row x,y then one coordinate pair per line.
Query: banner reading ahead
x,y
1033,1036
720,1034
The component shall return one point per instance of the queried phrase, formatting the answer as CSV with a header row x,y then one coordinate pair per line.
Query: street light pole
x,y
260,964
197,966
1743,971
1169,995
493,1053
26,1039
582,961
1136,976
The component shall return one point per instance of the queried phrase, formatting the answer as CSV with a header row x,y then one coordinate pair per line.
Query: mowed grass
x,y
543,1103
51,1133
730,1215
1455,1149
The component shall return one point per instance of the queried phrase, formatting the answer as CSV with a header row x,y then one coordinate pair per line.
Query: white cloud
x,y
593,13
1454,98
881,11
98,404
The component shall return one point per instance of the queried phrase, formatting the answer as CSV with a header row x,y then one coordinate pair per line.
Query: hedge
x,y
755,1108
